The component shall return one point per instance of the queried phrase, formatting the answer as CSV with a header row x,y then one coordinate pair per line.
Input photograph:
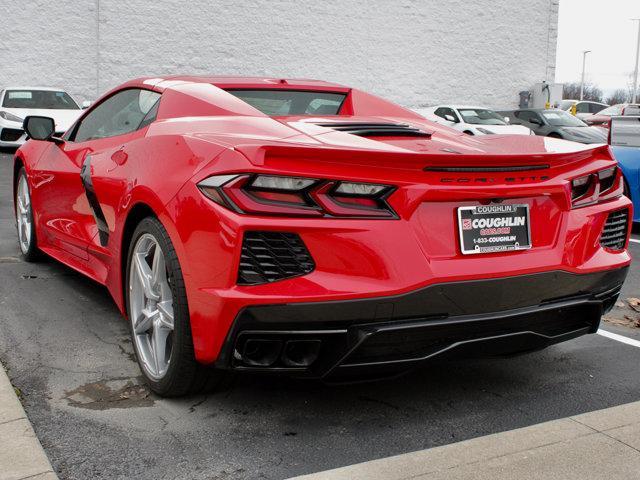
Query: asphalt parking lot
x,y
67,350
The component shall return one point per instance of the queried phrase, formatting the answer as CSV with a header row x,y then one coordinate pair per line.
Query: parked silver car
x,y
556,123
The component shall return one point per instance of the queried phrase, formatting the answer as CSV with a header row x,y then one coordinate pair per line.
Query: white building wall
x,y
416,52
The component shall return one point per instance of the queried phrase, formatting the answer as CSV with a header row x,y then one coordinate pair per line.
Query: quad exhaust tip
x,y
300,353
265,353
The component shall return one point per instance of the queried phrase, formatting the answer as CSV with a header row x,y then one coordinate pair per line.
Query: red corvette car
x,y
309,228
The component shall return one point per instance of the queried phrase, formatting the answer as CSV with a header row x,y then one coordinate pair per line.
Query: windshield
x,y
292,102
39,99
480,116
612,110
559,118
566,104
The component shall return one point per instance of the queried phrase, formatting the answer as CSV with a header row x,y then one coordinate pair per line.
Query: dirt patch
x,y
115,393
9,260
625,313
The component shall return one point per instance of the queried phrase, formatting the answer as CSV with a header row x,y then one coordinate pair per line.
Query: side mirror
x,y
451,118
535,121
86,104
40,128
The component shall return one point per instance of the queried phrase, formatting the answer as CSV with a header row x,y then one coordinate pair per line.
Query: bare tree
x,y
621,95
571,91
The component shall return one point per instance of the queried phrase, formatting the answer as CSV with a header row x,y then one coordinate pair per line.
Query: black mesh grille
x,y
10,134
614,233
270,256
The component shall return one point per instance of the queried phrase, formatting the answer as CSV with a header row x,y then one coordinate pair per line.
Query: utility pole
x,y
584,59
635,72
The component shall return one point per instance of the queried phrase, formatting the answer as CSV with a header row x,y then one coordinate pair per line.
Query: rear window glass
x,y
291,102
44,99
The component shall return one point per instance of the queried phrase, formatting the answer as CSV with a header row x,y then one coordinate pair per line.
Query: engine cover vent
x,y
376,129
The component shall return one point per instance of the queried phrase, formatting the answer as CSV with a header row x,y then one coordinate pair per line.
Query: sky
x,y
605,28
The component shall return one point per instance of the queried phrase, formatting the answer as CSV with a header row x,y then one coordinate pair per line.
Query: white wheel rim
x,y
151,306
23,214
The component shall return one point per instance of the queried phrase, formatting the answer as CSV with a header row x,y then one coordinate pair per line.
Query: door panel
x,y
108,178
71,213
61,199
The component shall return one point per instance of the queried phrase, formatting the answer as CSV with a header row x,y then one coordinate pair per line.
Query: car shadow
x,y
435,381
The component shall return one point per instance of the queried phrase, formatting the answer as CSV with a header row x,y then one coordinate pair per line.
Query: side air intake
x,y
614,233
376,129
271,256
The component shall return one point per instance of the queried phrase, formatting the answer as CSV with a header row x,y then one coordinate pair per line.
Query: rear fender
x,y
139,196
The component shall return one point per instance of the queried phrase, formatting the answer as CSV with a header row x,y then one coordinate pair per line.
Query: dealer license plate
x,y
494,228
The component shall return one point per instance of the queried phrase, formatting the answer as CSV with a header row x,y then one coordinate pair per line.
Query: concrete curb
x,y
600,444
21,455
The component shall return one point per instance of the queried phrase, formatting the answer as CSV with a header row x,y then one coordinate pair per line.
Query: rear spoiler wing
x,y
625,131
264,154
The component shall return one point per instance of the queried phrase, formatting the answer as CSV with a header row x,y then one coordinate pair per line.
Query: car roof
x,y
538,110
48,89
583,101
458,107
224,81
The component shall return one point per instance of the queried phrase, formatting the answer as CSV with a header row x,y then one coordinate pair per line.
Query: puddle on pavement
x,y
116,393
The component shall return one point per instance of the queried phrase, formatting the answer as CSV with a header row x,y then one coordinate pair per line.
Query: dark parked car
x,y
556,123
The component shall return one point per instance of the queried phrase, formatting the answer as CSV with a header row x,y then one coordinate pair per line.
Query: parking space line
x,y
634,240
619,338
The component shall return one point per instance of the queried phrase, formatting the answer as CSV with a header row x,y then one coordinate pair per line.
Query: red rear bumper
x,y
360,259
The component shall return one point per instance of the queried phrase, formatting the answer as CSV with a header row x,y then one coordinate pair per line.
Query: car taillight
x,y
298,196
607,179
581,186
598,186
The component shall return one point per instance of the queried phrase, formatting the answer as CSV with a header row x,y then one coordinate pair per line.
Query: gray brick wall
x,y
416,52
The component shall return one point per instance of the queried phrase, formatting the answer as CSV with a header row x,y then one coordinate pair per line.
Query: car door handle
x,y
119,157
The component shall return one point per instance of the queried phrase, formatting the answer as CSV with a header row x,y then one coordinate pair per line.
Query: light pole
x,y
584,59
635,72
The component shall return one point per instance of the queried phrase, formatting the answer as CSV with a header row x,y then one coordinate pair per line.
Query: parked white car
x,y
16,103
472,120
582,108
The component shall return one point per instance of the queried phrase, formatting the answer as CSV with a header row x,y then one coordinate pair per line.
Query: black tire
x,y
555,135
184,375
32,254
468,132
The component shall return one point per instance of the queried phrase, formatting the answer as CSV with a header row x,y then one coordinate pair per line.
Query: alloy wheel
x,y
151,306
23,214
